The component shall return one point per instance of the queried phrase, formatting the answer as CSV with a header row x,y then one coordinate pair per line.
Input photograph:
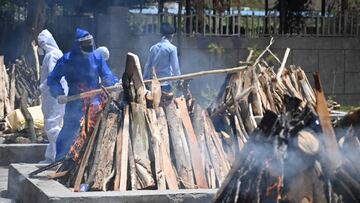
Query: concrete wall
x,y
337,58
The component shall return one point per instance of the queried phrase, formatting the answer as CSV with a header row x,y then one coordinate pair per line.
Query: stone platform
x,y
21,153
42,190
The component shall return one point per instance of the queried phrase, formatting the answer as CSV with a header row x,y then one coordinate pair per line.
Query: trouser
x,y
70,130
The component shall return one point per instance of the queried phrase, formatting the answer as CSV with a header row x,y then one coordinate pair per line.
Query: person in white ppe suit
x,y
52,110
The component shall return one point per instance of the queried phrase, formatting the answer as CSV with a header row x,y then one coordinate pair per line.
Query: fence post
x,y
239,24
317,25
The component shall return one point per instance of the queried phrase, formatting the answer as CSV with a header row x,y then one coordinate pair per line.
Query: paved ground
x,y
3,179
3,184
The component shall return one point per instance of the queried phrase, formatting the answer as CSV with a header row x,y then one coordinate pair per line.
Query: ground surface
x,y
3,184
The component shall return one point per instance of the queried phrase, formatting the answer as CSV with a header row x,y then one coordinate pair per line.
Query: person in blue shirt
x,y
163,57
82,68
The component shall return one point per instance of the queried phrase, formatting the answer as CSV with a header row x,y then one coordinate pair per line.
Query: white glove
x,y
62,99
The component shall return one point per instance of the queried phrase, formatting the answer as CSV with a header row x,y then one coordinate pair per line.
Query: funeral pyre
x,y
145,142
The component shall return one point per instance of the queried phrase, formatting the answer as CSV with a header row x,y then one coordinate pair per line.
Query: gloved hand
x,y
180,84
62,99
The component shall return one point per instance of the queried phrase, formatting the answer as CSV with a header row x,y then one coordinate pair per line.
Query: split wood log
x,y
170,173
332,154
132,167
133,72
122,144
163,127
6,91
155,90
106,154
255,95
29,119
199,129
37,64
156,143
12,90
219,164
2,86
181,151
283,63
196,158
86,156
94,162
139,137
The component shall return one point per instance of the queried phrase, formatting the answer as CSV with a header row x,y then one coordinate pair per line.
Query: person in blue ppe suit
x,y
82,68
163,57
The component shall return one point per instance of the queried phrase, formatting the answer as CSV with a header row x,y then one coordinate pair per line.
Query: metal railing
x,y
247,25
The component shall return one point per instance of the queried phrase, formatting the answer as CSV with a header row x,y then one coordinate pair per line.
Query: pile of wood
x,y
19,89
7,90
294,156
143,142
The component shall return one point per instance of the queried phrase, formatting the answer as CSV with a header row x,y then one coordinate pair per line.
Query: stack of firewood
x,y
7,90
143,142
19,89
294,156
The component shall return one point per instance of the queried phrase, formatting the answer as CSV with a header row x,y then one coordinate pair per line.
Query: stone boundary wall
x,y
336,58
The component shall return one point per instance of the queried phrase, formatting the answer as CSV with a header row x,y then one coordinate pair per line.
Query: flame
x,y
277,185
93,112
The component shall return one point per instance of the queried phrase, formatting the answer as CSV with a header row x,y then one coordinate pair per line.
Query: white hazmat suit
x,y
52,110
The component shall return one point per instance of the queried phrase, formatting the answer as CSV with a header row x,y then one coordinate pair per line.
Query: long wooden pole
x,y
171,78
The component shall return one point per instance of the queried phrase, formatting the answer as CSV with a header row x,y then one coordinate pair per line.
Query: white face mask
x,y
40,51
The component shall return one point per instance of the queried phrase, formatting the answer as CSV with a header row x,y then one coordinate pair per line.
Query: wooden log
x,y
196,159
156,142
6,91
199,128
170,173
283,63
122,157
132,167
163,127
12,94
104,168
133,62
181,152
2,86
94,161
255,94
155,90
217,141
218,163
37,64
333,159
139,137
85,158
29,119
267,89
133,72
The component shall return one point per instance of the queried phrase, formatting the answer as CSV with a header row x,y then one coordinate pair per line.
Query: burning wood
x,y
145,143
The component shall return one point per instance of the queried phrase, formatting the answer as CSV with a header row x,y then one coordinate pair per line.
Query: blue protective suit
x,y
163,56
82,73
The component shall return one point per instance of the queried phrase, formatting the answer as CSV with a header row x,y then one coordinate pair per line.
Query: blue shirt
x,y
163,56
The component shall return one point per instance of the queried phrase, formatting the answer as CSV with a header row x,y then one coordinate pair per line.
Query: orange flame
x,y
93,113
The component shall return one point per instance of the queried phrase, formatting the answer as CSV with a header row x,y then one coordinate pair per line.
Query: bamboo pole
x,y
170,78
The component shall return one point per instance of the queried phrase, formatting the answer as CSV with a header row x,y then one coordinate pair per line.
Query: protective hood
x,y
79,33
46,41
